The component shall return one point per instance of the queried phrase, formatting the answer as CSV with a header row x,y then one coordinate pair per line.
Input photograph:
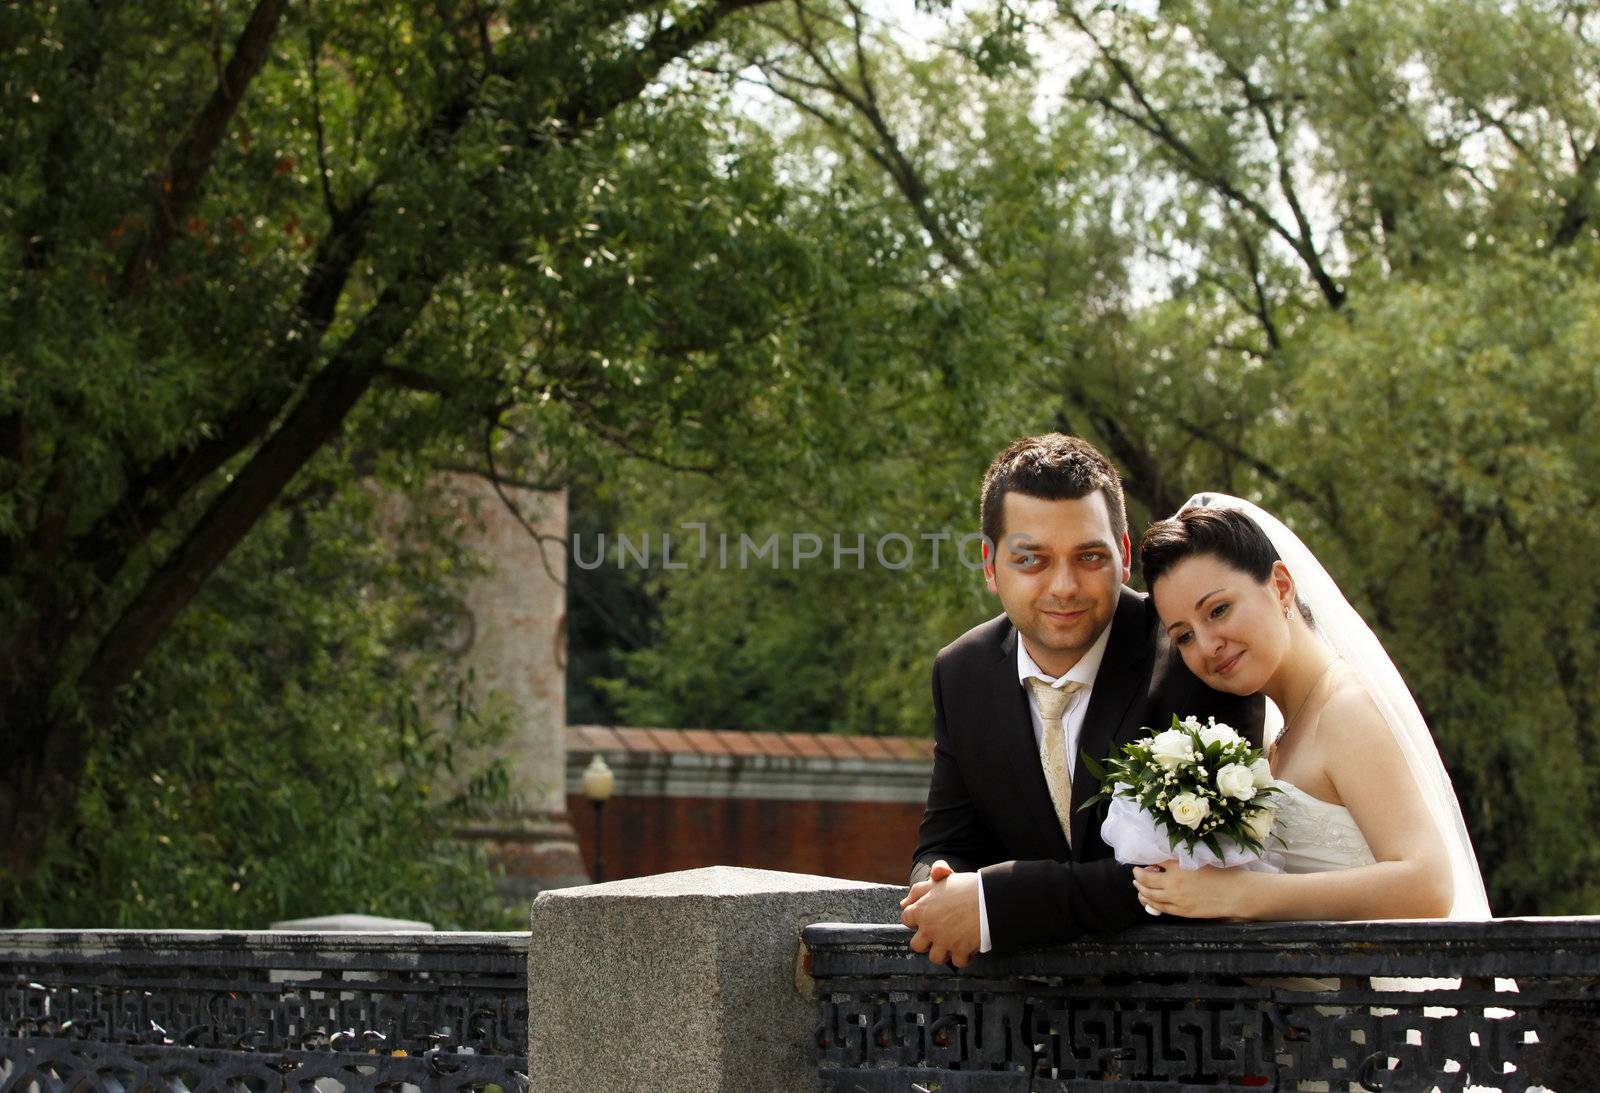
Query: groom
x,y
1078,663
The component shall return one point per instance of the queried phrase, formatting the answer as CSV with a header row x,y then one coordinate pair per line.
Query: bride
x,y
1368,823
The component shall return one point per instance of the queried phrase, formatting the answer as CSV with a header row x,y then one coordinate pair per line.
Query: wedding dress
x,y
1316,836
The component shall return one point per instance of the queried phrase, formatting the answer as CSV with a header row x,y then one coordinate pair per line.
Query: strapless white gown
x,y
1315,836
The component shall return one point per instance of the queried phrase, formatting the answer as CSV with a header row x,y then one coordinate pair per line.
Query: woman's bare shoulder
x,y
1350,716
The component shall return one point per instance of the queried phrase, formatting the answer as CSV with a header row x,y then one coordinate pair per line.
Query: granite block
x,y
683,981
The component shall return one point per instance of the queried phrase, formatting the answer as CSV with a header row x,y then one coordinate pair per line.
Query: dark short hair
x,y
1052,467
1222,533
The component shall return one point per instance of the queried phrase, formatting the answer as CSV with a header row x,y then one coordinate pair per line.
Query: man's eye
x,y
1025,561
1093,557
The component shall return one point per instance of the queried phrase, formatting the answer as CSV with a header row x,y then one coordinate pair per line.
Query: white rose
x,y
1261,774
1191,723
1259,823
1236,781
1171,748
1218,734
1189,810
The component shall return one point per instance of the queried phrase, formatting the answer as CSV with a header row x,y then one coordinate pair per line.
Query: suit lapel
x,y
1013,739
1114,702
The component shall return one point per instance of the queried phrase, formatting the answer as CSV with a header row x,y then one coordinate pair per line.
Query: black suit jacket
x,y
988,805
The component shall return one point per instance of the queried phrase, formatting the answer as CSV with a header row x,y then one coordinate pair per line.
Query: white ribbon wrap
x,y
1136,838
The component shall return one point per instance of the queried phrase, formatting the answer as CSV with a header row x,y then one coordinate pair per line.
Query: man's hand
x,y
938,871
944,911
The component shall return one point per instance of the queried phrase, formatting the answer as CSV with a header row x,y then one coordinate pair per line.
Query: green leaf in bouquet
x,y
1093,767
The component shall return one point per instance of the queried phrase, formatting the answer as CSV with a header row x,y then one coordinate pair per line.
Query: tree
x,y
301,742
1392,207
247,238
1334,257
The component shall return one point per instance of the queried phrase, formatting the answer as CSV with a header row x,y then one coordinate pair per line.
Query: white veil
x,y
1343,630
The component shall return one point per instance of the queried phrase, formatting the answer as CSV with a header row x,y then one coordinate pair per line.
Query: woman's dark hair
x,y
1225,534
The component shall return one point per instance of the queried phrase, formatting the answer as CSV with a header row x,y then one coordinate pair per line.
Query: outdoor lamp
x,y
598,782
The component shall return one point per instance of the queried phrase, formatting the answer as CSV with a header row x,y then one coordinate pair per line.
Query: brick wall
x,y
842,806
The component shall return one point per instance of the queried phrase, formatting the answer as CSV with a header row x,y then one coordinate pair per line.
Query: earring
x,y
1288,613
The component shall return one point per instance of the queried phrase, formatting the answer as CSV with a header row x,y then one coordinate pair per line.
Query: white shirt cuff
x,y
984,943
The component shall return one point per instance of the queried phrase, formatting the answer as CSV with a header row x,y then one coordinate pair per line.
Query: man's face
x,y
1057,571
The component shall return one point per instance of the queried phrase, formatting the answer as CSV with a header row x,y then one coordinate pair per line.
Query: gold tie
x,y
1053,702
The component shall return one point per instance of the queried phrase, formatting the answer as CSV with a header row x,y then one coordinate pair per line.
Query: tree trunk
x,y
44,758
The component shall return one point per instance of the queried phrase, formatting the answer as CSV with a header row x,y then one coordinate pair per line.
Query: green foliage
x,y
1462,533
1337,258
274,261
300,747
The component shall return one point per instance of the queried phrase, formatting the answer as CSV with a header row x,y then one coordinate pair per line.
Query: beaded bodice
x,y
1316,836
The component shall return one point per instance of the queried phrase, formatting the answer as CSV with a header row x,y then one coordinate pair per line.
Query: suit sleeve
x,y
951,828
1047,902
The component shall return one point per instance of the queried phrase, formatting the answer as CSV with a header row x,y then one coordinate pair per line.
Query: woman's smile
x,y
1226,667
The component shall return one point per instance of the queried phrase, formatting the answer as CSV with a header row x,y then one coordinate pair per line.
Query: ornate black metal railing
x,y
1181,1007
235,1012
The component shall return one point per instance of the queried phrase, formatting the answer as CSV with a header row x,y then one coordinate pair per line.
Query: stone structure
x,y
843,806
514,638
690,980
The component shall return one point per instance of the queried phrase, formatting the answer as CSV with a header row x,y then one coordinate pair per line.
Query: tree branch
x,y
324,175
1153,122
505,479
1263,307
313,421
1261,103
611,85
1326,505
884,148
159,486
494,479
180,182
336,388
411,379
1146,478
1577,209
156,489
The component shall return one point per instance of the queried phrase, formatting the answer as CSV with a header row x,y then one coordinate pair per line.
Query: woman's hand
x,y
1206,892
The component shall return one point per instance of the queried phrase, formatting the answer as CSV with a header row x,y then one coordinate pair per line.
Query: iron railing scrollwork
x,y
1358,1006
234,1012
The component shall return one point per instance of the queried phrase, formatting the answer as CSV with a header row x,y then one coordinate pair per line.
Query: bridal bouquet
x,y
1197,793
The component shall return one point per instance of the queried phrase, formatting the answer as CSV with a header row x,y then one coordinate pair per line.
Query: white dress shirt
x,y
1083,672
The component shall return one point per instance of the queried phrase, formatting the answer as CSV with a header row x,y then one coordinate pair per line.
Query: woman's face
x,y
1229,627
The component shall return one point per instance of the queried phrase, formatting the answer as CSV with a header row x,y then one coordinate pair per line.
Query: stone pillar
x,y
691,980
516,646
